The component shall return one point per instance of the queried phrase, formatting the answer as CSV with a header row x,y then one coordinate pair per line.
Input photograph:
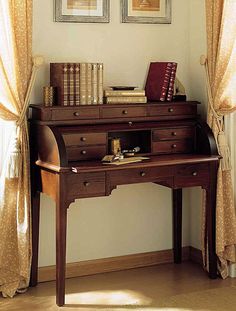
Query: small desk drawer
x,y
191,175
139,175
173,146
173,133
84,185
82,139
172,110
75,113
86,153
123,112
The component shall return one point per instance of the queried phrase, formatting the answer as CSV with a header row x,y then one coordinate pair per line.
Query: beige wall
x,y
135,218
197,47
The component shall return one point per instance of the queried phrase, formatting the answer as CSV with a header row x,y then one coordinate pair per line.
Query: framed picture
x,y
81,11
146,11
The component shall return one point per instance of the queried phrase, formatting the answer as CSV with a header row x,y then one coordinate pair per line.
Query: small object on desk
x,y
49,93
110,158
127,160
131,152
179,91
120,88
115,146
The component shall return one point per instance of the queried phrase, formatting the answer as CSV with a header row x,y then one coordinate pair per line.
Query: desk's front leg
x,y
177,224
61,226
211,219
35,237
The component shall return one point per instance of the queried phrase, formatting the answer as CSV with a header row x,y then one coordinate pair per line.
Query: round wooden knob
x,y
86,183
124,111
83,138
170,109
83,152
174,146
194,173
142,174
76,114
174,134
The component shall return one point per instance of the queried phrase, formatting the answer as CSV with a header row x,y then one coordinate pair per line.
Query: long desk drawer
x,y
139,175
82,139
172,109
75,113
173,133
123,112
191,175
84,185
173,146
86,153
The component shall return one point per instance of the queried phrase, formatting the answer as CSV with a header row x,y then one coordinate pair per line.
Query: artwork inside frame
x,y
146,11
82,11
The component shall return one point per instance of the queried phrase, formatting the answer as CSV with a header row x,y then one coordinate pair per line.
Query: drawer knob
x,y
130,123
83,152
83,138
125,112
76,114
142,174
174,134
170,109
86,183
194,173
174,146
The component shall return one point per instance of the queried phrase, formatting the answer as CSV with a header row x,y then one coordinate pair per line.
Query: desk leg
x,y
35,238
211,220
177,224
61,222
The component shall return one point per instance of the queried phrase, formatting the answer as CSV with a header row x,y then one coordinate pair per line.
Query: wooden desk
x,y
68,143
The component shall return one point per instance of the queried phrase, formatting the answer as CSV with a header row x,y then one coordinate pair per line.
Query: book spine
x,y
65,100
126,99
94,84
71,84
76,86
170,90
83,84
165,82
100,83
124,93
89,83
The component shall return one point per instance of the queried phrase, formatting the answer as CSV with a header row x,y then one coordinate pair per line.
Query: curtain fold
x,y
15,73
221,60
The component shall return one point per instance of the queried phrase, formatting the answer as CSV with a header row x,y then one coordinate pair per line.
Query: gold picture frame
x,y
146,11
82,11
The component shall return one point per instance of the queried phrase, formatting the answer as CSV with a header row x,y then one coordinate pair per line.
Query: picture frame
x,y
146,11
82,11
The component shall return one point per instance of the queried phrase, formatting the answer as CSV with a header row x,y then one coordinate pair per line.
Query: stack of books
x,y
124,96
160,81
77,83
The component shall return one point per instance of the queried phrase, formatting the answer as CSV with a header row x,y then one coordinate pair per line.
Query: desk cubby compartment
x,y
131,139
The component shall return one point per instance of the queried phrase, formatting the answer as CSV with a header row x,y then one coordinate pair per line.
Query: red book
x,y
158,80
170,90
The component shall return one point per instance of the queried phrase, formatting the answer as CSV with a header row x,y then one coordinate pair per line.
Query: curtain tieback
x,y
221,140
15,155
37,62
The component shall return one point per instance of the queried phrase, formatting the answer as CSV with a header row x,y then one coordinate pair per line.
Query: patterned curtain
x,y
221,72
15,73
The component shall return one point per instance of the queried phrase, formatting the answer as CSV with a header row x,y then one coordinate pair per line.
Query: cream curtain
x,y
15,72
221,60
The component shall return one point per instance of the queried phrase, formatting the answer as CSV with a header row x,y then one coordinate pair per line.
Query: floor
x,y
136,289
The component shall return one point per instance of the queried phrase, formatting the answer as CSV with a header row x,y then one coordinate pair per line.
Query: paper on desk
x,y
127,160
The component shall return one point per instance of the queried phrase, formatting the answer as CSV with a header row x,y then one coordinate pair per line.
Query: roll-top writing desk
x,y
68,143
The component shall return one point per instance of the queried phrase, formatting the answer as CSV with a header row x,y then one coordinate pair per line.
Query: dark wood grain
x,y
67,144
